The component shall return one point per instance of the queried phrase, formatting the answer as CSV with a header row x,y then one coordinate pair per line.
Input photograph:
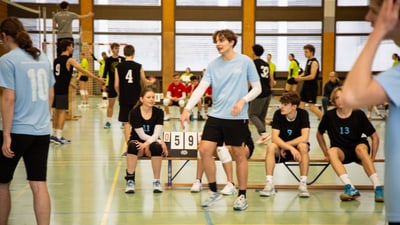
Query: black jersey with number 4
x,y
290,130
129,82
137,121
62,75
345,133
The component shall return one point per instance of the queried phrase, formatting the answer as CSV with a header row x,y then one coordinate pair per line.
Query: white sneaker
x,y
240,203
130,187
229,189
213,197
196,187
303,192
157,187
263,139
268,190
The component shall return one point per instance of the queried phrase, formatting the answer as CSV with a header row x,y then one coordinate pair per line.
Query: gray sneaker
x,y
240,203
268,190
213,197
157,187
130,187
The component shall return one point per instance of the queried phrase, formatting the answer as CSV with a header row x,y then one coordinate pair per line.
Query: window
x,y
46,1
352,2
289,2
208,3
285,27
351,27
131,26
130,2
194,46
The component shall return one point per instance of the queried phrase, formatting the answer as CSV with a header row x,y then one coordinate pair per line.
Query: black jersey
x,y
109,69
290,130
137,121
264,74
307,71
129,82
62,75
345,133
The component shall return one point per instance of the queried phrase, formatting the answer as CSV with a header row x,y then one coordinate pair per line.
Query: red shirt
x,y
176,90
209,91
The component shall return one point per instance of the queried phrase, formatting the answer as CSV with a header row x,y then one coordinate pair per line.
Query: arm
x,y
284,145
116,81
313,73
194,99
375,144
90,14
322,145
7,113
359,87
143,78
51,97
252,94
147,138
305,133
76,65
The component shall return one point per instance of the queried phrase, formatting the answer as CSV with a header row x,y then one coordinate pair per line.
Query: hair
x,y
82,54
269,54
142,94
309,47
12,27
114,45
227,34
290,97
258,49
64,5
64,44
129,50
333,94
192,78
176,75
396,55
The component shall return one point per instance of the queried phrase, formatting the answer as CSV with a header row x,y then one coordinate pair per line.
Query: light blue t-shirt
x,y
229,82
30,79
390,81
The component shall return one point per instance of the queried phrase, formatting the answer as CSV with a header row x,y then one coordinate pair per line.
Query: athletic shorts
x,y
350,154
208,101
289,157
83,78
111,92
291,81
34,151
309,94
230,132
60,102
124,112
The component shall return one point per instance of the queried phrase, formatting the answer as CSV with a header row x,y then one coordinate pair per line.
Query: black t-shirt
x,y
307,71
109,69
129,82
264,74
137,121
62,75
348,132
290,130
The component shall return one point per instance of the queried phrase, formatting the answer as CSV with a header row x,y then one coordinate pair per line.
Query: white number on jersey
x,y
39,84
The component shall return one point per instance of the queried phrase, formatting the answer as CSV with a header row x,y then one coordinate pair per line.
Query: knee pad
x,y
181,103
104,95
86,92
82,92
155,149
132,149
223,154
166,101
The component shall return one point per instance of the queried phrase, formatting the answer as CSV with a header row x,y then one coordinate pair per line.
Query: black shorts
x,y
207,101
83,78
111,92
250,144
350,154
289,157
60,102
292,81
230,132
309,94
124,112
34,151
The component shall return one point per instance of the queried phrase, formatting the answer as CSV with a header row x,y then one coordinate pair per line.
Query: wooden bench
x,y
317,162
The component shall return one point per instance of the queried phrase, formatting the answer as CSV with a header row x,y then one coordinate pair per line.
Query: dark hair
x,y
64,5
309,47
129,50
114,45
64,44
396,55
142,94
192,78
12,27
258,49
290,97
228,34
176,75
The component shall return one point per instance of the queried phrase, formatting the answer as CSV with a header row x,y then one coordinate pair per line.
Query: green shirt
x,y
293,70
85,65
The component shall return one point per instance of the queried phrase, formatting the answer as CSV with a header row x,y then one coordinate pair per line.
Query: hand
x,y
6,148
388,16
164,149
184,118
238,107
152,79
296,155
101,80
141,146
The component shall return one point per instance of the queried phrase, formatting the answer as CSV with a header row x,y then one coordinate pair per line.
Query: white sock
x,y
58,133
346,180
109,119
303,179
269,178
375,180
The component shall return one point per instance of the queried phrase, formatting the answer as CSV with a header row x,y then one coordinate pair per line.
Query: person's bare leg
x,y
207,149
110,107
315,110
241,166
5,205
156,165
41,202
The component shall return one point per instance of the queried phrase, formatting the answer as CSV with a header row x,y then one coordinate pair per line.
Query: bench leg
x,y
170,177
324,165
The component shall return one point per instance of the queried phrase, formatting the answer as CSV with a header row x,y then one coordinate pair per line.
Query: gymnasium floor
x,y
86,184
